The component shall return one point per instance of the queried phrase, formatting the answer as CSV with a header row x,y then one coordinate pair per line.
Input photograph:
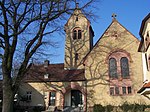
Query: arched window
x,y
124,67
77,34
74,34
113,68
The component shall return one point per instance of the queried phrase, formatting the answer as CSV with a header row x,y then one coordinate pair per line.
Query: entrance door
x,y
76,98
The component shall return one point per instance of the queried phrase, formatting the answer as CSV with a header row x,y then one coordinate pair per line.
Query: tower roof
x,y
77,12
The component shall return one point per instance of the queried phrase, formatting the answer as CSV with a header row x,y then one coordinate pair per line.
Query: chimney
x,y
46,63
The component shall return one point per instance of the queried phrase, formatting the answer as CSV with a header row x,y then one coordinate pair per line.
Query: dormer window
x,y
77,34
46,76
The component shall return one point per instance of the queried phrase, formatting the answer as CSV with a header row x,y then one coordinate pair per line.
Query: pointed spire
x,y
114,16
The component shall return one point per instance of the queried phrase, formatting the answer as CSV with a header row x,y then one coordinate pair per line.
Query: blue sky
x,y
130,14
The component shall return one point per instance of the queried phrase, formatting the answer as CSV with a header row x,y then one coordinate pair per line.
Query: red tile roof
x,y
56,72
146,85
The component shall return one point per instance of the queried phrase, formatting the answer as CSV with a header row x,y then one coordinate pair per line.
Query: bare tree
x,y
32,21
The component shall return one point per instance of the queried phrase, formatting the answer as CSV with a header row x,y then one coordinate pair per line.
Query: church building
x,y
108,72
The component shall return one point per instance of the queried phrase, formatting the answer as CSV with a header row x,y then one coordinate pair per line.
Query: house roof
x,y
56,73
141,47
146,85
143,24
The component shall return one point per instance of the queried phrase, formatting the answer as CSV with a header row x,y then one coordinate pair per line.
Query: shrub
x,y
98,108
126,107
109,108
38,109
133,107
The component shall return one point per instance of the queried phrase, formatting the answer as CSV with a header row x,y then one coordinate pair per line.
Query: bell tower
x,y
79,39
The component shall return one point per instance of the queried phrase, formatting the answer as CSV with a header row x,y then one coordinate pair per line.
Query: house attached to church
x,y
107,73
145,51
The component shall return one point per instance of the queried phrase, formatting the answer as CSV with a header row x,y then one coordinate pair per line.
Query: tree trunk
x,y
8,97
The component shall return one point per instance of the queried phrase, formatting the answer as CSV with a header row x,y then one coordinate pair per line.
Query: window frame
x,y
77,19
74,34
147,40
51,99
125,74
147,62
46,76
111,90
77,33
113,75
124,90
117,55
120,90
129,91
117,92
29,95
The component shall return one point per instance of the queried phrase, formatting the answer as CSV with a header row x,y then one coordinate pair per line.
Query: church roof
x,y
56,73
113,21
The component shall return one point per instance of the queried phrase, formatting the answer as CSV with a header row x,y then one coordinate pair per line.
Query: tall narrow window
x,y
147,40
77,18
117,90
74,34
79,34
148,63
29,94
129,90
124,90
113,68
124,67
146,60
111,90
52,98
